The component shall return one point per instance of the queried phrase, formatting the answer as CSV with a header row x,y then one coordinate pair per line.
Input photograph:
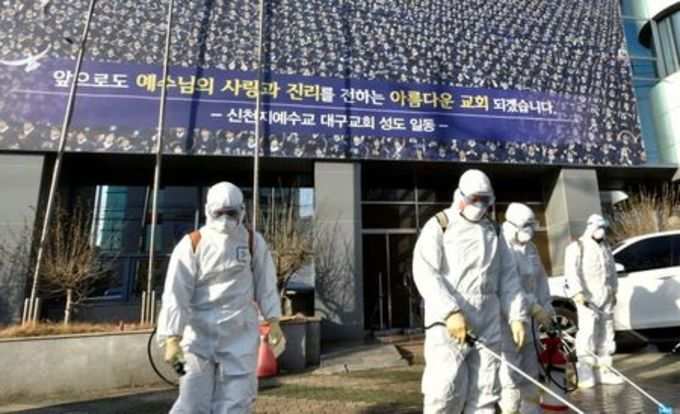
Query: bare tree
x,y
646,212
71,263
290,239
333,261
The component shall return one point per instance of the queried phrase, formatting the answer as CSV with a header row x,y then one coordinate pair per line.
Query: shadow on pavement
x,y
148,403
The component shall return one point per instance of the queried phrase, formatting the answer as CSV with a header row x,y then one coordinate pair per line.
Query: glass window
x,y
676,250
648,254
668,47
427,211
675,22
433,195
389,216
627,7
389,194
643,90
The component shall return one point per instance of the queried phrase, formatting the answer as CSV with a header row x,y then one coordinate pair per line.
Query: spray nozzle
x,y
179,368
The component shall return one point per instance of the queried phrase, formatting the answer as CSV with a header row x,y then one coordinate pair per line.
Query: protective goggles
x,y
485,200
233,213
528,225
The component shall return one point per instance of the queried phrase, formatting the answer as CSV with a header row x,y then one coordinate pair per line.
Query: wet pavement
x,y
394,390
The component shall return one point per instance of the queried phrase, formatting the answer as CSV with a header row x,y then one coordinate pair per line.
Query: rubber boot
x,y
586,375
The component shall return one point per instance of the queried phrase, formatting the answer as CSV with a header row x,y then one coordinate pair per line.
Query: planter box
x,y
303,344
74,364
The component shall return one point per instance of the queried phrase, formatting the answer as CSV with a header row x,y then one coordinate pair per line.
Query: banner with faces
x,y
463,80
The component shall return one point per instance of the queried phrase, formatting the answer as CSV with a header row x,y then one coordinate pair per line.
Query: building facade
x,y
370,112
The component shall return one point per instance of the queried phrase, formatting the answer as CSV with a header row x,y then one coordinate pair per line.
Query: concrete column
x,y
574,196
20,178
339,279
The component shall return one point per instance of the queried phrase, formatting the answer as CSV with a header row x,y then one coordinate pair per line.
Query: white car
x,y
648,298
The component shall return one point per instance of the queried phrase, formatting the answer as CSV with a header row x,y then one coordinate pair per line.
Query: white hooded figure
x,y
209,317
468,279
591,276
518,395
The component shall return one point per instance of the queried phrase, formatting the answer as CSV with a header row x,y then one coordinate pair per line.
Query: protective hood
x,y
474,195
221,196
594,223
520,223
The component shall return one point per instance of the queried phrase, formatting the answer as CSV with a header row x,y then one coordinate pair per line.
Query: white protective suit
x,y
210,301
518,395
590,270
467,268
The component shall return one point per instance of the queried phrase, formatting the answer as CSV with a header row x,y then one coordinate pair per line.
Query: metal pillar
x,y
258,104
147,315
32,308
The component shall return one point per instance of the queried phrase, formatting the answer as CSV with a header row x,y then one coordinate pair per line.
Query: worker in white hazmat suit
x,y
467,277
592,280
518,395
216,282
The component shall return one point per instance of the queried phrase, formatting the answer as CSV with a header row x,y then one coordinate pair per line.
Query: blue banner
x,y
462,80
127,95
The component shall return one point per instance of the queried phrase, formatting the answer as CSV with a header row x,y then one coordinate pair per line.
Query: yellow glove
x,y
173,352
540,315
580,299
456,326
517,328
276,338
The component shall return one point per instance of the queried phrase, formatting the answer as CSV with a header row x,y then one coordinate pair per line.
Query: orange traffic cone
x,y
266,361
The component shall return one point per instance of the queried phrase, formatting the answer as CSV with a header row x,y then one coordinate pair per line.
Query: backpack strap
x,y
195,237
443,220
496,227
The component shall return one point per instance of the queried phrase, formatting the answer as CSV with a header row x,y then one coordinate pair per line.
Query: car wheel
x,y
567,322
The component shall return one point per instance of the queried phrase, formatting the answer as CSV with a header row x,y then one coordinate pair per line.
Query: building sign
x,y
548,114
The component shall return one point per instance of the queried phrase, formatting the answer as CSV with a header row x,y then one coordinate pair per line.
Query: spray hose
x,y
554,331
153,364
472,340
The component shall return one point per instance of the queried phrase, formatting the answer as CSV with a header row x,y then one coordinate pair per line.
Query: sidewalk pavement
x,y
391,390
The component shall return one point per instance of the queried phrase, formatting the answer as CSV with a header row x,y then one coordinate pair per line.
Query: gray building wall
x,y
571,199
20,178
339,278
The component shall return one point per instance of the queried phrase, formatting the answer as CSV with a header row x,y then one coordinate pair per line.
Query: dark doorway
x,y
390,298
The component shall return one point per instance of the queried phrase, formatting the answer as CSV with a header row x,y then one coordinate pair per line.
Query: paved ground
x,y
396,390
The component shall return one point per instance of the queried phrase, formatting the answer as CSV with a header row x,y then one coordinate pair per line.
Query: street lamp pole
x,y
31,310
150,295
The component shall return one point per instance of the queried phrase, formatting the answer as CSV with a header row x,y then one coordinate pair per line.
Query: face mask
x,y
599,234
224,224
474,212
525,235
